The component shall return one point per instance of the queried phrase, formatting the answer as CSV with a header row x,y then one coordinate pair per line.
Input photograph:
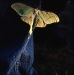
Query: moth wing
x,y
48,17
22,9
28,19
40,22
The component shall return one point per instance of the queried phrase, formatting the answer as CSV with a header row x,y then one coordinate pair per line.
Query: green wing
x,y
25,11
22,9
48,17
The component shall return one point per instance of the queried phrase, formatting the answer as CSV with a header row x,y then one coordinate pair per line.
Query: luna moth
x,y
34,17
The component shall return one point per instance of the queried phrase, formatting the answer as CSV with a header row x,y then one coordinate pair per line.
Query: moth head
x,y
36,10
37,6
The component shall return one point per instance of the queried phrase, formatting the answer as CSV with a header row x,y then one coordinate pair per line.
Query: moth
x,y
34,17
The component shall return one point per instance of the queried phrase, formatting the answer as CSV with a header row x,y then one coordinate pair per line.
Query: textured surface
x,y
16,52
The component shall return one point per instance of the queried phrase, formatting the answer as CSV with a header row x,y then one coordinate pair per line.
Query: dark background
x,y
53,44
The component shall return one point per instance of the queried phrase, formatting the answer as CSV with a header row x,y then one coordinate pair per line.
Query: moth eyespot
x,y
47,12
30,17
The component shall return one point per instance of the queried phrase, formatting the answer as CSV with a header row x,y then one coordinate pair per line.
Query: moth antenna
x,y
40,4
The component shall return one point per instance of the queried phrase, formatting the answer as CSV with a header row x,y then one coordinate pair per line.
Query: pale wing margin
x,y
48,17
